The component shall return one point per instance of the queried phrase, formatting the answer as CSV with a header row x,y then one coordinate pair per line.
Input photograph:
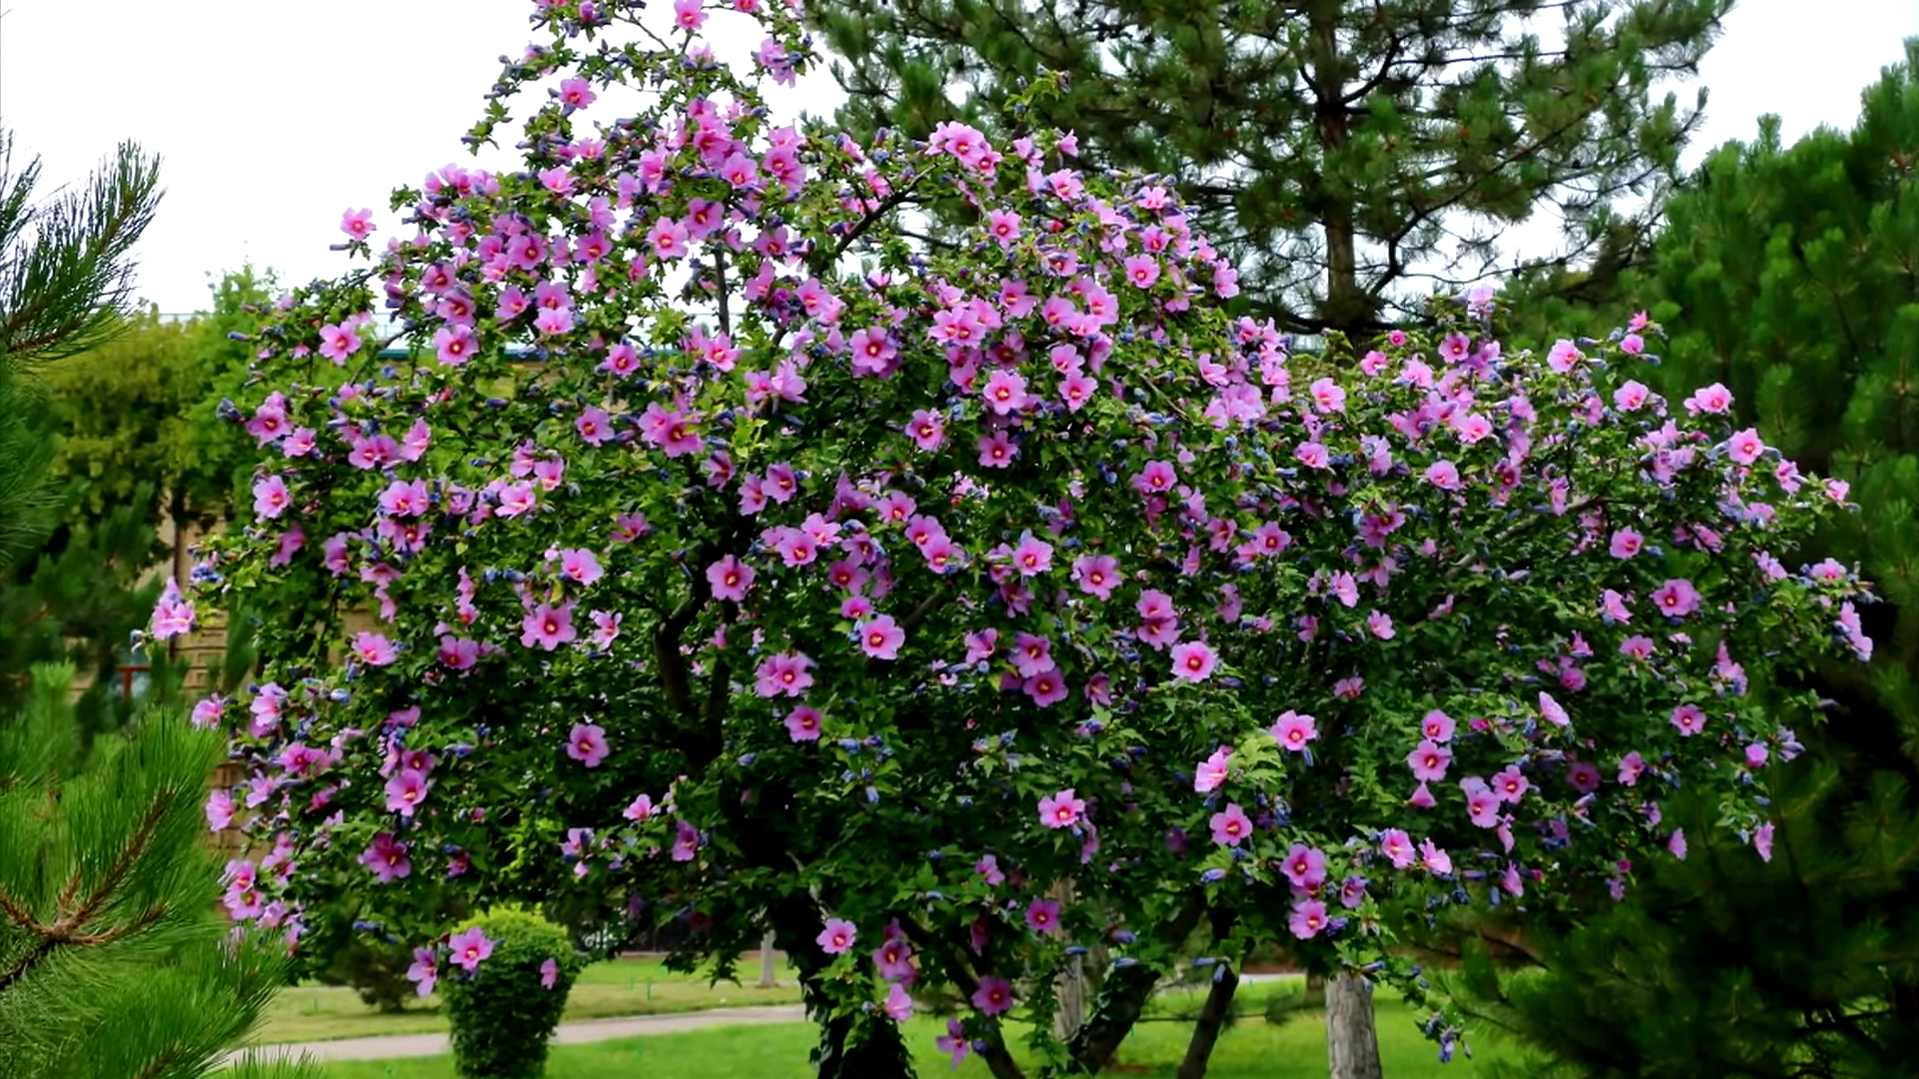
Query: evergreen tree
x,y
95,426
113,960
66,284
1725,966
28,508
1792,271
1352,155
66,267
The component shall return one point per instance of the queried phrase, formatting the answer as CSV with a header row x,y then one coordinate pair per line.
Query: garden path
x,y
395,1046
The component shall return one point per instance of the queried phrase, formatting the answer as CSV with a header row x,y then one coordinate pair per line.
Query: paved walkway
x,y
395,1046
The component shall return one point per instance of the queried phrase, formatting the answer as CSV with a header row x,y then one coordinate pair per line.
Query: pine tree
x,y
114,962
66,285
114,959
1353,155
69,583
66,266
1790,273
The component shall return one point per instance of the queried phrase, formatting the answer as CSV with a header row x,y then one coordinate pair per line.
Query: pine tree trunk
x,y
1352,1044
1345,308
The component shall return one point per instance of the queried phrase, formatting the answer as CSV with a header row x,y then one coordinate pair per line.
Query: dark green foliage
x,y
372,964
127,437
501,1015
114,960
1792,276
71,553
1792,270
1353,155
28,508
1726,967
79,601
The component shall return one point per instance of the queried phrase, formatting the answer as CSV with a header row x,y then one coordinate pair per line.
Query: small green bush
x,y
501,1014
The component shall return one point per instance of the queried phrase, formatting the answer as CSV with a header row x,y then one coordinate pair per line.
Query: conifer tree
x,y
1352,156
68,589
114,960
78,600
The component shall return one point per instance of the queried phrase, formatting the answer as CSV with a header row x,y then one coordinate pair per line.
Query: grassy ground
x,y
310,1013
1251,1049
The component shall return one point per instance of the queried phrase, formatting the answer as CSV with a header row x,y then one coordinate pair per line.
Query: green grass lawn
x,y
1251,1049
310,1013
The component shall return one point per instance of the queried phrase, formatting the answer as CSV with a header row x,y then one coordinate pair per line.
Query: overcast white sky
x,y
273,116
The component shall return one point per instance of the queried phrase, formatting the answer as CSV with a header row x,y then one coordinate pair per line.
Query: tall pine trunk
x,y
1346,307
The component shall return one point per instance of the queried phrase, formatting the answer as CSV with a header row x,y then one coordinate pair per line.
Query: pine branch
x,y
65,930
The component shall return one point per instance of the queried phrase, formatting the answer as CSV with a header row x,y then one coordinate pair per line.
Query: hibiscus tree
x,y
739,560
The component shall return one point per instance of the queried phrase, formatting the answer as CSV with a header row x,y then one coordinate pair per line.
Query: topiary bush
x,y
504,1010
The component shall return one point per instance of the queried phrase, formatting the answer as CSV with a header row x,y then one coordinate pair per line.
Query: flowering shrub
x,y
506,992
720,551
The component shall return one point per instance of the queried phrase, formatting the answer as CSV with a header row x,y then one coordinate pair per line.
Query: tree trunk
x,y
1352,1045
1346,308
1069,988
1212,1019
1121,998
856,1046
768,970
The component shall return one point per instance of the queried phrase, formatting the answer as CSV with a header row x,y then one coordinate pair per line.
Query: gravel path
x,y
395,1046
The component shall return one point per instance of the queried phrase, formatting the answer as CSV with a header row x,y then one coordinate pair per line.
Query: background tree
x,y
1351,156
78,600
142,408
1792,271
128,436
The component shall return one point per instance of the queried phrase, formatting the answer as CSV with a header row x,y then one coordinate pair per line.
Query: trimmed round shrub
x,y
504,1009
